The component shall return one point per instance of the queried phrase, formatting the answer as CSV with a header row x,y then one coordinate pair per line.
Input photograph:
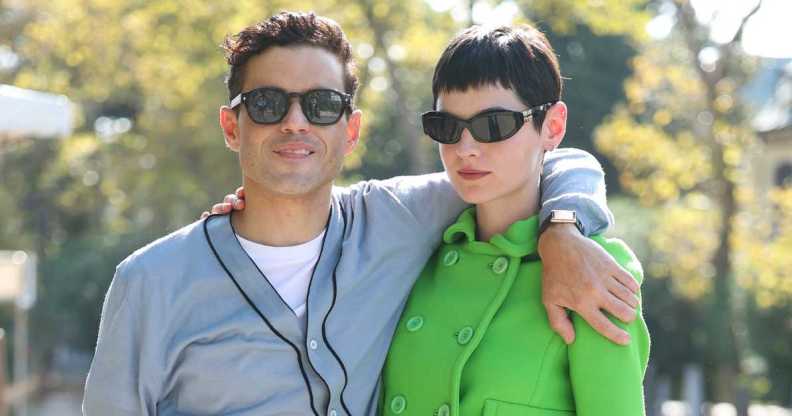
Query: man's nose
x,y
294,121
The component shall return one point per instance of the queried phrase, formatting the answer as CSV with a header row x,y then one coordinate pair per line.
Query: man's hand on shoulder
x,y
579,275
231,202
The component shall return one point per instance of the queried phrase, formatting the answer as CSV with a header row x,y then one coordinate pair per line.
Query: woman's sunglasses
x,y
269,105
486,127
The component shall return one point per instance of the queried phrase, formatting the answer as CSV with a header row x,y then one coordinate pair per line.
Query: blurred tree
x,y
147,155
680,142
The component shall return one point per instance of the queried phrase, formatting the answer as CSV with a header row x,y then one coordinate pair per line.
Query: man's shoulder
x,y
171,251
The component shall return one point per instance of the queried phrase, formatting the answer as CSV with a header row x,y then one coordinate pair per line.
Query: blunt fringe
x,y
518,58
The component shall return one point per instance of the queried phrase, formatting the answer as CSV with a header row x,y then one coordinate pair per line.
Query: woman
x,y
473,338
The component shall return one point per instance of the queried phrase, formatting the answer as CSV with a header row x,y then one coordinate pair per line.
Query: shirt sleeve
x,y
607,378
422,205
118,383
573,180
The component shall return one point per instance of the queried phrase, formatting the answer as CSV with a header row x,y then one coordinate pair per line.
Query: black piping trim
x,y
307,306
332,305
261,315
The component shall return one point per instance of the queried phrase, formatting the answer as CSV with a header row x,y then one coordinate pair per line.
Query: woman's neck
x,y
496,216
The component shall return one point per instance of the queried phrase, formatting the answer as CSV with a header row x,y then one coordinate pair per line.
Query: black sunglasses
x,y
269,105
486,127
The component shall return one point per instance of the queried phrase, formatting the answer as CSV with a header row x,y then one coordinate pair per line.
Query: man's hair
x,y
287,29
518,58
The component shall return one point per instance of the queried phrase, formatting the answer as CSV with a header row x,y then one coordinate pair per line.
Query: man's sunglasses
x,y
486,127
269,105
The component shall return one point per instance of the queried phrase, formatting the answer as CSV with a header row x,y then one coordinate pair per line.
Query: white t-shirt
x,y
288,269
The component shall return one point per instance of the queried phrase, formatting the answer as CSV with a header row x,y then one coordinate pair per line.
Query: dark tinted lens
x,y
267,106
495,126
441,127
323,106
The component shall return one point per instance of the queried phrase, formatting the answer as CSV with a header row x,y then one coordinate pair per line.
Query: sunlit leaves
x,y
656,165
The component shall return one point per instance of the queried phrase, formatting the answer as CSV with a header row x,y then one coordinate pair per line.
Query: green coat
x,y
474,338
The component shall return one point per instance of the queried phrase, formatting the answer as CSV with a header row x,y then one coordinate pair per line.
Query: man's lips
x,y
472,174
294,151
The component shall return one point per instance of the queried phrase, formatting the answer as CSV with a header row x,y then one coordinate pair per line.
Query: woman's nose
x,y
467,145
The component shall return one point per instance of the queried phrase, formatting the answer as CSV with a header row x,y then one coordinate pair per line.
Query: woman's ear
x,y
554,126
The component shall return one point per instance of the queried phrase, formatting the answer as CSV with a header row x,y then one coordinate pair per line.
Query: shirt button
x,y
451,258
333,412
500,265
443,410
415,323
464,335
313,344
398,404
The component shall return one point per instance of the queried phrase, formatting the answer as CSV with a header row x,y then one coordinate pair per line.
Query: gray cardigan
x,y
190,326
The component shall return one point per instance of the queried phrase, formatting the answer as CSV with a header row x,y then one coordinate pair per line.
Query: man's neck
x,y
282,220
496,216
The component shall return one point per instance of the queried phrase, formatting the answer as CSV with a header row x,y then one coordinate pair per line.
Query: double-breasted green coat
x,y
474,338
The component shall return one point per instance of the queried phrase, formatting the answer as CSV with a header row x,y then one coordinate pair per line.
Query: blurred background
x,y
109,138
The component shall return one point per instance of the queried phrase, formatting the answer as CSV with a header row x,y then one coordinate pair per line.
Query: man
x,y
288,306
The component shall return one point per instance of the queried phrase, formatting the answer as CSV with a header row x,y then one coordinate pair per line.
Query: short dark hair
x,y
518,58
287,29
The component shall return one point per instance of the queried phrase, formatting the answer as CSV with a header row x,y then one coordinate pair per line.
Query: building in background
x,y
770,93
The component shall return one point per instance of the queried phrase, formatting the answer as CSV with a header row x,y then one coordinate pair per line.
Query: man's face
x,y
292,157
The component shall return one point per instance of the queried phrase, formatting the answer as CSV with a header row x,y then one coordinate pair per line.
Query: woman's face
x,y
483,172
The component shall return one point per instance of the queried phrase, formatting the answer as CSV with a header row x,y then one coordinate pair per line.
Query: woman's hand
x,y
578,274
231,202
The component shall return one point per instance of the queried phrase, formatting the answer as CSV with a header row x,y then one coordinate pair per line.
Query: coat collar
x,y
519,240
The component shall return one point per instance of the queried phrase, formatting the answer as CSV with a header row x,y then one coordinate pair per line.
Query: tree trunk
x,y
418,153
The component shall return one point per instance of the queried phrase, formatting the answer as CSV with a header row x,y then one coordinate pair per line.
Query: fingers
x,y
622,293
625,278
240,192
234,201
604,326
560,322
221,208
619,309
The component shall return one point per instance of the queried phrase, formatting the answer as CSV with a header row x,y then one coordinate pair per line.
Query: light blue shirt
x,y
190,326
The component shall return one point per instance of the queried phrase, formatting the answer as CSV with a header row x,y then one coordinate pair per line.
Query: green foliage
x,y
681,143
147,155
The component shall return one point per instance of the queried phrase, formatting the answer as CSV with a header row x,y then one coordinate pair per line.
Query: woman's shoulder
x,y
622,253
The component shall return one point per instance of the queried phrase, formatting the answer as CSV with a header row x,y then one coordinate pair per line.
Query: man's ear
x,y
352,131
229,122
554,126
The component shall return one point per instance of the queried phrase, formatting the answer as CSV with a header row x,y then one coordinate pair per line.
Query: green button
x,y
451,258
415,323
500,265
398,404
464,335
444,410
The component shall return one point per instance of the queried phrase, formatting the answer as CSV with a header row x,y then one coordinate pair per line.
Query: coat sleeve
x,y
607,379
120,381
573,180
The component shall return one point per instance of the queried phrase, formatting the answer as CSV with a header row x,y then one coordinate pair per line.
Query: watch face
x,y
564,216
